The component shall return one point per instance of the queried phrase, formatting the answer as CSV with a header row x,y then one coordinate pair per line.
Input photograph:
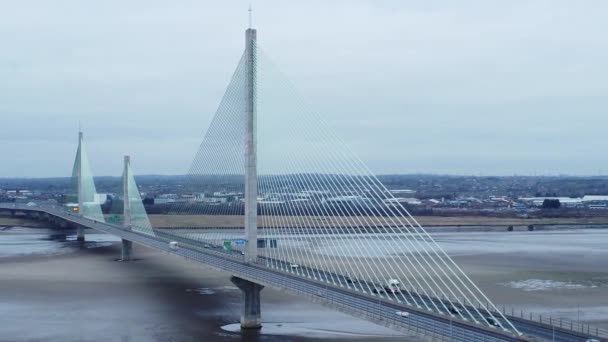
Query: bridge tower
x,y
251,185
252,312
127,246
79,228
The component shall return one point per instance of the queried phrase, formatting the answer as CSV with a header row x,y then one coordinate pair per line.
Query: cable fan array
x,y
322,214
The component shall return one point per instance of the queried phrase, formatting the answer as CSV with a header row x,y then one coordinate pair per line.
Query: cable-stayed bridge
x,y
278,200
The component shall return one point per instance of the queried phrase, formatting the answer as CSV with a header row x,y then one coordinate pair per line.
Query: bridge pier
x,y
127,248
80,233
252,313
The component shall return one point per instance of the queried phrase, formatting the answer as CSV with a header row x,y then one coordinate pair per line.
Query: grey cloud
x,y
478,86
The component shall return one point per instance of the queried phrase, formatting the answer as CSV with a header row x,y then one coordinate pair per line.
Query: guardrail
x,y
557,322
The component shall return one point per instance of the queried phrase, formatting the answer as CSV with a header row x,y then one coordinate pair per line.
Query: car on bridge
x,y
402,313
454,310
392,286
351,280
492,322
379,290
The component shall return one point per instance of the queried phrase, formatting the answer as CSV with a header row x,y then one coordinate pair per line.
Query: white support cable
x,y
222,121
276,234
345,232
296,217
295,256
416,258
343,216
312,262
449,278
337,273
285,255
274,228
370,209
342,228
359,272
234,110
333,265
222,173
462,272
236,161
347,182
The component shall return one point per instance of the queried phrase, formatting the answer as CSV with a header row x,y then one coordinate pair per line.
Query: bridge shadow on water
x,y
175,285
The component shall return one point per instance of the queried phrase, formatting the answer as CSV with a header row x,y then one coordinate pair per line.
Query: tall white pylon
x,y
251,185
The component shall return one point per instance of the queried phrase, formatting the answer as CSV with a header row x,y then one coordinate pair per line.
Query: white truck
x,y
392,286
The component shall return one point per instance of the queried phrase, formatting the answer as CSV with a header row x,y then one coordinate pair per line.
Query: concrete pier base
x,y
252,313
127,250
80,233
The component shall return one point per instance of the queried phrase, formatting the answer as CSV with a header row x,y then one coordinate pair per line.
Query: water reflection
x,y
19,241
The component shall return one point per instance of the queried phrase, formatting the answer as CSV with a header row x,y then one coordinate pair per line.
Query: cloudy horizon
x,y
477,88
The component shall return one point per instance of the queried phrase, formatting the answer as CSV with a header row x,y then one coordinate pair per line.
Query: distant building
x,y
344,199
19,192
403,200
100,198
565,202
402,192
163,200
595,199
595,202
519,206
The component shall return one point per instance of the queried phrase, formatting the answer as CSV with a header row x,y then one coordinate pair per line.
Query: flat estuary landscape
x,y
54,289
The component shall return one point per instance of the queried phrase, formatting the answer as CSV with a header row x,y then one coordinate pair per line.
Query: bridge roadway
x,y
366,306
528,328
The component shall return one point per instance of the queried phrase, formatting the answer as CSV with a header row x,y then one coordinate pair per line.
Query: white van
x,y
392,286
173,245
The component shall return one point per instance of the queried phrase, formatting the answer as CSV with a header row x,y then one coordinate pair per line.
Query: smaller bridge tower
x,y
127,246
80,229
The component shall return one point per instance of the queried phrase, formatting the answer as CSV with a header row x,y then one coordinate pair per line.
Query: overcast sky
x,y
482,87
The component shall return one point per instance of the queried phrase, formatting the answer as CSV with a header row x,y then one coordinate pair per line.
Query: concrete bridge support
x,y
127,250
80,233
252,313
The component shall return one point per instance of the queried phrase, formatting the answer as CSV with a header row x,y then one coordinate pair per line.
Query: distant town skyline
x,y
473,88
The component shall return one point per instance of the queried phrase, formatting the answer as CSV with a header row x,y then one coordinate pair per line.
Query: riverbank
x,y
230,221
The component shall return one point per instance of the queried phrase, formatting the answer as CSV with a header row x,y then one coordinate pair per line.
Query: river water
x,y
53,288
